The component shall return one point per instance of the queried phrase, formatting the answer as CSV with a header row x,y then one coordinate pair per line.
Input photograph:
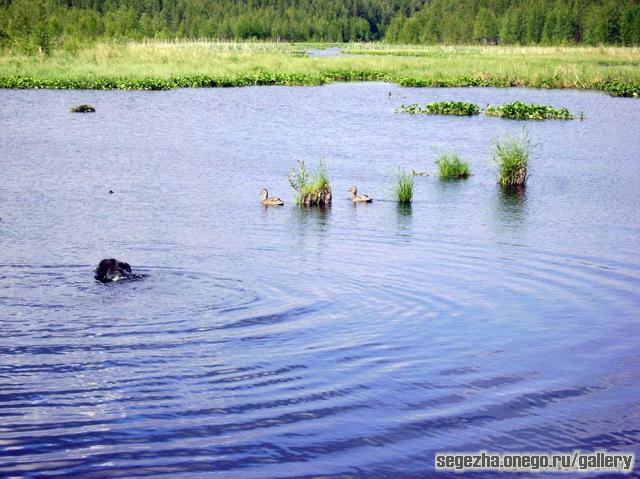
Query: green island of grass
x,y
161,65
457,108
512,157
404,187
312,189
451,167
529,111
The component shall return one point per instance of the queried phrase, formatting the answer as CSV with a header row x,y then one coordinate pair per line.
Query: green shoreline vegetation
x,y
161,65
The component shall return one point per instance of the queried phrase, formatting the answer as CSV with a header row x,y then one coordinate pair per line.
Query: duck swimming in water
x,y
270,201
358,198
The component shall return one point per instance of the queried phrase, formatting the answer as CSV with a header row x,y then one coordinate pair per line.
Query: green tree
x,y
485,29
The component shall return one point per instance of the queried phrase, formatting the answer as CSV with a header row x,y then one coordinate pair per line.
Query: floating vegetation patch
x,y
529,111
619,88
83,109
512,158
311,190
451,166
404,187
457,108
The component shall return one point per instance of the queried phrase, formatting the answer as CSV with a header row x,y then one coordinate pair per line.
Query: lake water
x,y
289,342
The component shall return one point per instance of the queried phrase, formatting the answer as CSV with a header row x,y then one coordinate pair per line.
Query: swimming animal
x,y
109,270
356,198
83,109
270,201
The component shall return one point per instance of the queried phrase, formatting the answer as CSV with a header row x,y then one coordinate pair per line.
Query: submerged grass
x,y
451,166
311,190
458,108
512,157
529,111
164,65
404,187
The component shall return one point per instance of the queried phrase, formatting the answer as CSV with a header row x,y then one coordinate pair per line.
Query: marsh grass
x,y
311,189
451,166
404,187
529,111
157,65
512,157
457,108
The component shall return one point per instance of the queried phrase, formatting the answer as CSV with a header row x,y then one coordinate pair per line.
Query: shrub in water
x,y
457,108
512,156
311,191
404,187
451,166
529,111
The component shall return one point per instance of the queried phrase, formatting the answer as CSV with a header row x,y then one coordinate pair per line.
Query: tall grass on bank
x,y
164,65
311,189
451,166
404,187
512,157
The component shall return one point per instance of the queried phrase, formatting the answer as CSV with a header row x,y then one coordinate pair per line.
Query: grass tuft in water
x,y
451,166
529,111
457,108
311,189
404,187
512,156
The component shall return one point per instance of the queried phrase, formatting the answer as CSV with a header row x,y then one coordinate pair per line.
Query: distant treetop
x,y
45,22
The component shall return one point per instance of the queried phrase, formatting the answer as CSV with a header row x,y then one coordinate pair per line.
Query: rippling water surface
x,y
284,342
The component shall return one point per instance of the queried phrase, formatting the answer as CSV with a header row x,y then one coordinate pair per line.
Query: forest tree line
x,y
525,22
42,24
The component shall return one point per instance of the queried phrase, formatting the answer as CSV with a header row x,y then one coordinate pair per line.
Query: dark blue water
x,y
288,342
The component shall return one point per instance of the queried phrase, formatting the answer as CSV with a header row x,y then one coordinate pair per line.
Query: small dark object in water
x,y
110,192
109,270
83,109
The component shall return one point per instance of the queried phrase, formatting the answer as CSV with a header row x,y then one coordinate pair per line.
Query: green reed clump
x,y
404,187
451,166
529,111
311,189
457,108
512,157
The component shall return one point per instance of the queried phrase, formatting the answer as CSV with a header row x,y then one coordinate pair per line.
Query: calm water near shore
x,y
288,342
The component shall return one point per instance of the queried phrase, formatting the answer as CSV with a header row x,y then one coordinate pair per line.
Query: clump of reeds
x,y
451,166
404,187
83,109
529,111
512,156
457,108
311,190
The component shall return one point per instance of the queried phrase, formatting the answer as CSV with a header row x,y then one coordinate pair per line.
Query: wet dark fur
x,y
112,270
